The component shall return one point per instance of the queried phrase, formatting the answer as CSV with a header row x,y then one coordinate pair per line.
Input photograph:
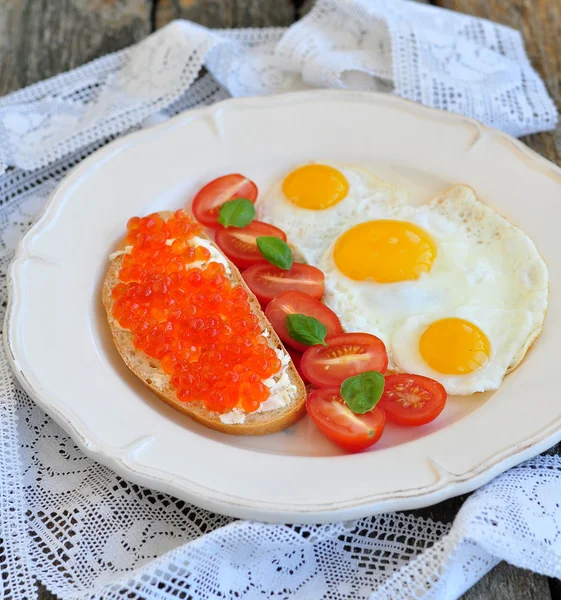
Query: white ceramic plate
x,y
61,350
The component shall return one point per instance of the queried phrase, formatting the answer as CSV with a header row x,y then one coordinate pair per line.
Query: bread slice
x,y
149,370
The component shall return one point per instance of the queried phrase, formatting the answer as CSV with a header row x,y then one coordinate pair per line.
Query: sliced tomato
x,y
412,399
212,196
291,303
345,355
266,280
340,424
296,358
239,245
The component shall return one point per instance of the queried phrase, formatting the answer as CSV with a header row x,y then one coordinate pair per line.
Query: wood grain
x,y
506,582
227,13
41,38
305,6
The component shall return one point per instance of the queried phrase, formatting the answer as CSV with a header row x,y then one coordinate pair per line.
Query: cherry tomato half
x,y
290,303
239,244
340,424
212,196
345,355
266,280
412,399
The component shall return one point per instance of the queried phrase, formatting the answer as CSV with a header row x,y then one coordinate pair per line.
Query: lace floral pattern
x,y
86,532
450,61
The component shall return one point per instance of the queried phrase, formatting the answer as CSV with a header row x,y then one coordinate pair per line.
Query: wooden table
x,y
40,38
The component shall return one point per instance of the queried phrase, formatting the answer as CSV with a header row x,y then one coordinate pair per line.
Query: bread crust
x,y
149,370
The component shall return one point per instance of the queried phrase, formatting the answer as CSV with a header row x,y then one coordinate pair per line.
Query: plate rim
x,y
446,486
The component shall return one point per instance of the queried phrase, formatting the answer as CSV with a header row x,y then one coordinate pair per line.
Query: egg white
x,y
506,329
305,227
482,261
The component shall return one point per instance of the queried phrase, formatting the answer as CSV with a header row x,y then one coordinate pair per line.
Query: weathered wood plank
x,y
227,13
41,38
506,582
304,6
540,23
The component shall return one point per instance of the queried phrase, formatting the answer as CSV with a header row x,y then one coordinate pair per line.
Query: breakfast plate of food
x,y
307,307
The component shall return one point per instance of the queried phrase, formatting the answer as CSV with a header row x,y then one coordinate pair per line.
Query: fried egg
x,y
468,349
325,196
408,273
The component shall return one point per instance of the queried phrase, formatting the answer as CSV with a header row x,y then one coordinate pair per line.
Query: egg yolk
x,y
315,187
385,251
454,346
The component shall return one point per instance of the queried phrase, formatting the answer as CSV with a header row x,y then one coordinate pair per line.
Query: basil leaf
x,y
306,330
362,392
236,213
276,251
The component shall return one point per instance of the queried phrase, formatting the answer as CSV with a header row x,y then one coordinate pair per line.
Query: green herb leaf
x,y
276,251
306,330
362,392
236,213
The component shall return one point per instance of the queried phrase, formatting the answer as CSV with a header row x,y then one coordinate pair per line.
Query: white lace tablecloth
x,y
85,532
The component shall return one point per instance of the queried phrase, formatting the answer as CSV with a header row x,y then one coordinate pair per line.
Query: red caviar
x,y
191,317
